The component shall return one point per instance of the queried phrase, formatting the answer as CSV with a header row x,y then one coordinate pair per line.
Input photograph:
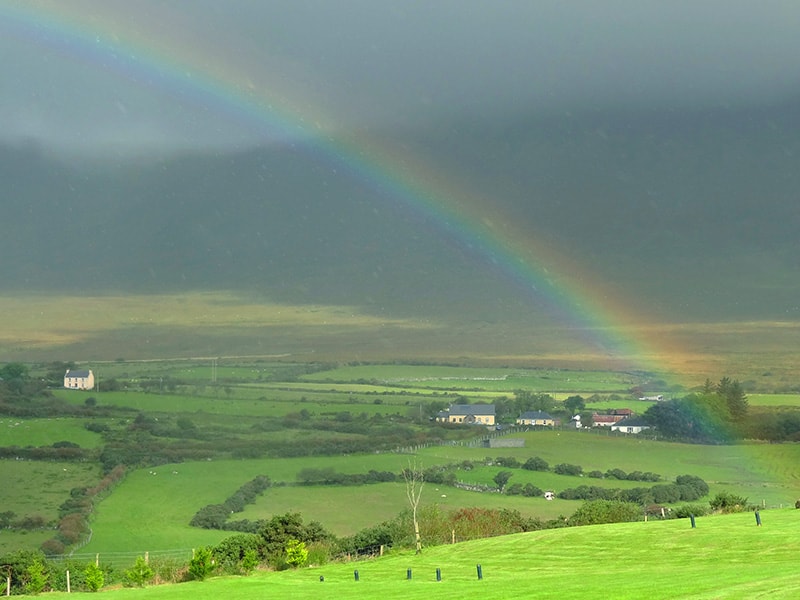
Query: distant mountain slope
x,y
693,215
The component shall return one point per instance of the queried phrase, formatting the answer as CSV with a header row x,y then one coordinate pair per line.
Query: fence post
x,y
97,560
68,590
438,574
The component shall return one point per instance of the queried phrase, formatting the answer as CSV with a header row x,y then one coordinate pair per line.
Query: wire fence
x,y
124,558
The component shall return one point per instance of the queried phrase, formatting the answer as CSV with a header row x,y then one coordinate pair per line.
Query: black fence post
x,y
438,574
758,519
355,574
408,574
691,518
480,572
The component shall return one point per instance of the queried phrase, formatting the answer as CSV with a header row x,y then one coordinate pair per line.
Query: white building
x,y
79,380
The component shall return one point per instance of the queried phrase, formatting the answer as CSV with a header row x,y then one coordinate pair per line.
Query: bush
x,y
687,510
296,553
567,469
35,577
729,503
698,485
536,464
596,512
139,574
93,577
201,565
230,553
531,491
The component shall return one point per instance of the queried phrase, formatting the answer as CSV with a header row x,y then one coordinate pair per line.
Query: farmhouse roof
x,y
606,418
76,373
632,422
471,409
535,415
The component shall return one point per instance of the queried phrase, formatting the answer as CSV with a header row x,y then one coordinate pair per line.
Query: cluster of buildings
x,y
620,419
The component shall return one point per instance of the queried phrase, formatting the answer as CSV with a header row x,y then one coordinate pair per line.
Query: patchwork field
x,y
151,509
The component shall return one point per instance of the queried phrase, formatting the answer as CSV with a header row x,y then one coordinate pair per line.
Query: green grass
x,y
724,557
152,512
496,380
380,502
37,489
785,400
45,432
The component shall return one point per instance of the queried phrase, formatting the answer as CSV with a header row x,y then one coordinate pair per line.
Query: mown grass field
x,y
723,557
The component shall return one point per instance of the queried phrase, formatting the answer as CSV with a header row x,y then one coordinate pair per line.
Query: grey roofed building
x,y
77,374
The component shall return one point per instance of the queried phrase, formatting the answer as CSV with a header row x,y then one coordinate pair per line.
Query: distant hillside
x,y
690,215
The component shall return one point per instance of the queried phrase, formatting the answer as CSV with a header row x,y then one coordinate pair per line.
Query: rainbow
x,y
174,66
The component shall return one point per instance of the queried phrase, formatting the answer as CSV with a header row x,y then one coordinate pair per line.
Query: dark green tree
x,y
501,479
574,404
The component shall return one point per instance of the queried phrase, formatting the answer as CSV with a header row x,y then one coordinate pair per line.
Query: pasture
x,y
723,557
151,508
37,489
45,432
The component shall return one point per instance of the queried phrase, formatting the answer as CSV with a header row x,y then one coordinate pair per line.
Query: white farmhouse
x,y
78,380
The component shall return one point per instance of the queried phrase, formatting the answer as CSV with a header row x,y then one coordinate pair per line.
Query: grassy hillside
x,y
723,557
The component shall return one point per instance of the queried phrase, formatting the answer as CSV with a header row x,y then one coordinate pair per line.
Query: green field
x,y
45,432
723,557
136,517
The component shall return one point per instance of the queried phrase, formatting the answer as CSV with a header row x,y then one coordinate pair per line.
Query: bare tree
x,y
414,482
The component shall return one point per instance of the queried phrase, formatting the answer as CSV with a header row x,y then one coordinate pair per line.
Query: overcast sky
x,y
102,73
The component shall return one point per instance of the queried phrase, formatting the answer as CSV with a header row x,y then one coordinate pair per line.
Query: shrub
x,y
296,553
93,577
249,561
531,491
230,553
595,512
568,469
139,574
700,487
536,464
201,565
687,510
729,503
35,577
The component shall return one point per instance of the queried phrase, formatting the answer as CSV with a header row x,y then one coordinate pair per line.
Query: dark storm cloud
x,y
383,63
